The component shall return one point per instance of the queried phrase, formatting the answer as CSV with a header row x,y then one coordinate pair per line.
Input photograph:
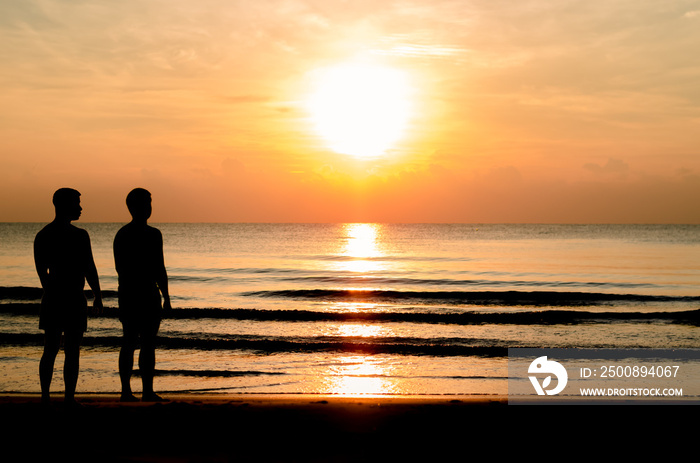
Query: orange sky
x,y
528,111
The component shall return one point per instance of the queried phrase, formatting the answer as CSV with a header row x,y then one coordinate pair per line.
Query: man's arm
x,y
42,268
92,277
117,251
162,277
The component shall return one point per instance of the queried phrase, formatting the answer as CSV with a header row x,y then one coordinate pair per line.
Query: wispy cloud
x,y
562,89
613,166
407,49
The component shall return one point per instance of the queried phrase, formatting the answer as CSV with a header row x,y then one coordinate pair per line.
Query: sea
x,y
368,308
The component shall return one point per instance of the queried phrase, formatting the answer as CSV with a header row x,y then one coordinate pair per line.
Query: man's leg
x,y
71,366
147,361
126,362
52,342
147,366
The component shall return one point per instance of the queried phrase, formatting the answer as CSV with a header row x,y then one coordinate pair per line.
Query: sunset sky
x,y
493,111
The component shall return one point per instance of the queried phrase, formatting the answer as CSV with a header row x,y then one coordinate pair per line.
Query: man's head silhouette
x,y
138,201
66,201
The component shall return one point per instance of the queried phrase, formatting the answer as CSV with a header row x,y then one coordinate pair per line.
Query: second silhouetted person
x,y
138,257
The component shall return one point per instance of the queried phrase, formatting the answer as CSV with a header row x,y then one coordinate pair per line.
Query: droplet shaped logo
x,y
542,366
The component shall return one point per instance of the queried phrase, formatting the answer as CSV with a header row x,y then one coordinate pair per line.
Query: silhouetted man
x,y
138,257
63,259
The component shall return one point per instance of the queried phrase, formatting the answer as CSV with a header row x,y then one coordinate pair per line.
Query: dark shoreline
x,y
194,427
309,428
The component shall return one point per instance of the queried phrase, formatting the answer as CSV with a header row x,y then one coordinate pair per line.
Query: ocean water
x,y
419,309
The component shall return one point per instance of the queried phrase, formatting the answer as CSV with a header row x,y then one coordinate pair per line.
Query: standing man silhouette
x,y
138,257
63,259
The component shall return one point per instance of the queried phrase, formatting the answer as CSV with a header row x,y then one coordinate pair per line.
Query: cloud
x,y
420,46
233,167
206,97
613,166
504,175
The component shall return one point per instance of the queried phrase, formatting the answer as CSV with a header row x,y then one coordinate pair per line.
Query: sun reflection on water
x,y
362,240
361,248
360,375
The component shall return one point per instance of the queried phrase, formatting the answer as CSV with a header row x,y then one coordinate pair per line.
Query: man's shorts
x,y
63,313
140,311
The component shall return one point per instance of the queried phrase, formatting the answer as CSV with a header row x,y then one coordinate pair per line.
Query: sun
x,y
361,110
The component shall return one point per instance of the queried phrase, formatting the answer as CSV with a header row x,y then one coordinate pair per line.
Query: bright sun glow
x,y
361,248
361,110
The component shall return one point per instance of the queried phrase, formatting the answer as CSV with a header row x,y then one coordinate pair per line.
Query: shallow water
x,y
372,308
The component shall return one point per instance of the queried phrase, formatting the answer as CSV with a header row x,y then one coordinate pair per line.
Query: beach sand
x,y
218,427
303,428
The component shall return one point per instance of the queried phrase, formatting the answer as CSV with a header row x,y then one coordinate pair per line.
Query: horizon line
x,y
356,222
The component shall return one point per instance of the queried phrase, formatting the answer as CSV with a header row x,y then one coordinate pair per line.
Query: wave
x,y
28,293
381,258
206,373
369,280
537,298
221,276
532,317
281,344
481,298
213,373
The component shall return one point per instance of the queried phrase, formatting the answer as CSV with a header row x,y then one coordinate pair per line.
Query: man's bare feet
x,y
152,397
128,397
